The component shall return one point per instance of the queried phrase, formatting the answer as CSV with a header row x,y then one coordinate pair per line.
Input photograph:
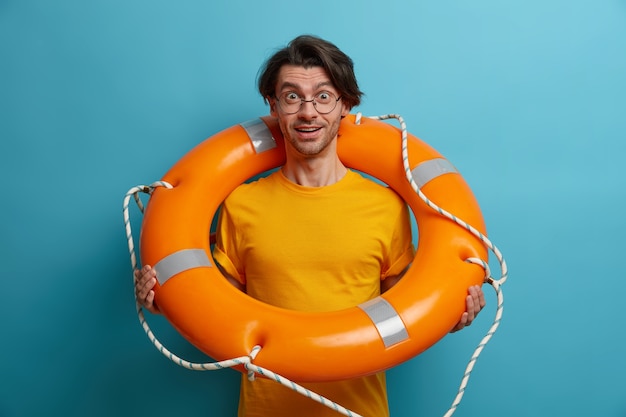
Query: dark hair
x,y
310,51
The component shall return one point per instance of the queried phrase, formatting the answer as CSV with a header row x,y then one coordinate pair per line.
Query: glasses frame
x,y
302,101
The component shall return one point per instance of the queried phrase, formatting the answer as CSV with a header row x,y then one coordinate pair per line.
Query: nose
x,y
307,108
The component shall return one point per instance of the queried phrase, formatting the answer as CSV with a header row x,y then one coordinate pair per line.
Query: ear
x,y
345,110
272,103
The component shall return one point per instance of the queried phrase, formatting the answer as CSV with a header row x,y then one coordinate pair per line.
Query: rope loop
x,y
484,265
255,351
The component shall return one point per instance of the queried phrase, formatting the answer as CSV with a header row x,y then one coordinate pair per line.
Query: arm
x,y
389,282
232,280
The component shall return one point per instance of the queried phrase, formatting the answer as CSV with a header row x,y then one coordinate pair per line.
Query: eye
x,y
291,97
324,97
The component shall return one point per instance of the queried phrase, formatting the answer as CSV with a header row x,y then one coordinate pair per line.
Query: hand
x,y
145,280
475,301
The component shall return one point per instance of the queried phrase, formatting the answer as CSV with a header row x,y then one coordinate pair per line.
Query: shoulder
x,y
375,189
255,188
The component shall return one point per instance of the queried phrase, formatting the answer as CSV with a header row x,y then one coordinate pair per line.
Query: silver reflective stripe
x,y
431,169
180,261
387,321
260,135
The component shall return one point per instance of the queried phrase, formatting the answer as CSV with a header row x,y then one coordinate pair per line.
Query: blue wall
x,y
526,98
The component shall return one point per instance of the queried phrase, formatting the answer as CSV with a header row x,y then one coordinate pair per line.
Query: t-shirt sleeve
x,y
225,252
401,250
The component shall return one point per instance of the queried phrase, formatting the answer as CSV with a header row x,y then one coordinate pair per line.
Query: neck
x,y
314,172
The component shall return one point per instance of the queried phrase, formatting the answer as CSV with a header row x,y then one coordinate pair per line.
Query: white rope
x,y
245,361
470,365
495,283
425,199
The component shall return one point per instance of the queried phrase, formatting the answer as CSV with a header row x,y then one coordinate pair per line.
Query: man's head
x,y
310,51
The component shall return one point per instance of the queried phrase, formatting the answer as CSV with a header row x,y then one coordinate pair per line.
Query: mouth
x,y
308,132
308,129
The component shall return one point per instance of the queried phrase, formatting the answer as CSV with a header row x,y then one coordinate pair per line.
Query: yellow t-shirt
x,y
313,249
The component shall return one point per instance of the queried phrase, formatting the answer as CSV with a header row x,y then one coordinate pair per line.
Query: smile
x,y
308,129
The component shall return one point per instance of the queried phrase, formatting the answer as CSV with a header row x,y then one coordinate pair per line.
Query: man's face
x,y
306,131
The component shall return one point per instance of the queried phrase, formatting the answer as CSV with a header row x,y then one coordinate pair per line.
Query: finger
x,y
149,299
145,276
470,309
138,277
476,294
146,273
481,298
142,292
147,288
145,283
461,324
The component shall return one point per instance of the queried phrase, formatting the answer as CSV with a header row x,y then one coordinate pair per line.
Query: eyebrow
x,y
294,86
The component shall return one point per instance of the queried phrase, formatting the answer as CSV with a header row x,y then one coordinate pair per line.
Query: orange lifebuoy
x,y
381,333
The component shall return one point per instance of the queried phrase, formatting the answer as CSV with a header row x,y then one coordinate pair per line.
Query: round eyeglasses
x,y
291,103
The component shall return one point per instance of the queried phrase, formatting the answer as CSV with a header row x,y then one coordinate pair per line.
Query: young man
x,y
314,235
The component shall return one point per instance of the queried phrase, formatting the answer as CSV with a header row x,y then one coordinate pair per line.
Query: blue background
x,y
526,98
